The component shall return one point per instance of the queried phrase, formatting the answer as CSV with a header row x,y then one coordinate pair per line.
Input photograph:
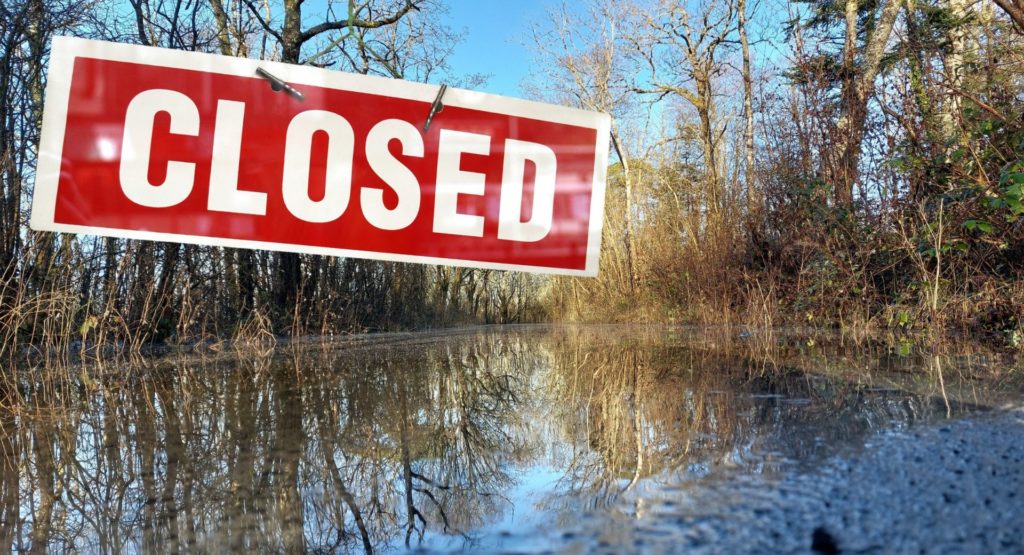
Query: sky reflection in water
x,y
482,440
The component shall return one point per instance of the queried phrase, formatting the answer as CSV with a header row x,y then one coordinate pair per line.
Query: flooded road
x,y
528,439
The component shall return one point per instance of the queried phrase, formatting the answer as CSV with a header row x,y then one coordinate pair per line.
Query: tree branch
x,y
263,22
358,23
1014,9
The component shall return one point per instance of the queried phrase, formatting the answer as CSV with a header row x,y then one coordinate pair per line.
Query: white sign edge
x,y
58,92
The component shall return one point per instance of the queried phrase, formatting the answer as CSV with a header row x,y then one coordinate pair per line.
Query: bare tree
x,y
588,70
681,52
292,37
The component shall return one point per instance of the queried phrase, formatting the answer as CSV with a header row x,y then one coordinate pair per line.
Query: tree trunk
x,y
954,62
165,287
709,142
289,266
291,32
1014,9
223,35
857,86
628,179
748,109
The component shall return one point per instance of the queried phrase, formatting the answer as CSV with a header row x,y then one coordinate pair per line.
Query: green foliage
x,y
978,225
1007,199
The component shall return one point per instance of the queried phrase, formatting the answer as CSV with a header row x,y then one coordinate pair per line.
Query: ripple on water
x,y
523,440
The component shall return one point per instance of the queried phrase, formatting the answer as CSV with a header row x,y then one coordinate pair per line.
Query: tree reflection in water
x,y
359,447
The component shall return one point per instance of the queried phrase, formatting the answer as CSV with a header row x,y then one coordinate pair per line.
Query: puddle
x,y
487,440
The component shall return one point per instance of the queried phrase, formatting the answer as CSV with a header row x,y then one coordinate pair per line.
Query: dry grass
x,y
255,334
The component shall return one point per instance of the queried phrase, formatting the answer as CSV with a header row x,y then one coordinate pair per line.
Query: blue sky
x,y
495,41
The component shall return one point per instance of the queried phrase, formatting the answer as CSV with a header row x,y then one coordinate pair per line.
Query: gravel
x,y
951,487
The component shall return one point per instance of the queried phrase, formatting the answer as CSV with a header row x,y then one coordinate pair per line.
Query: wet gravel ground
x,y
950,487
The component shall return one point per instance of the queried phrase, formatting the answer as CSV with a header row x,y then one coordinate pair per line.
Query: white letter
x,y
224,195
452,182
394,173
138,140
510,215
297,150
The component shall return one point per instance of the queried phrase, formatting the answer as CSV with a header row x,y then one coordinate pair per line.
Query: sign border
x,y
58,92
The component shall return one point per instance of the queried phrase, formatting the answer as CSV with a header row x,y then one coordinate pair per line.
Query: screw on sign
x,y
157,144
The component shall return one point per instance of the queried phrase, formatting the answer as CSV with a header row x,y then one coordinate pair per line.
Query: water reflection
x,y
670,411
421,440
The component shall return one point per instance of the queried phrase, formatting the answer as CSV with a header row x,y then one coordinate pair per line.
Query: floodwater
x,y
523,439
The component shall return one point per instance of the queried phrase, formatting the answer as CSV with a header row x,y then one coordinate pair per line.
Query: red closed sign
x,y
157,144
